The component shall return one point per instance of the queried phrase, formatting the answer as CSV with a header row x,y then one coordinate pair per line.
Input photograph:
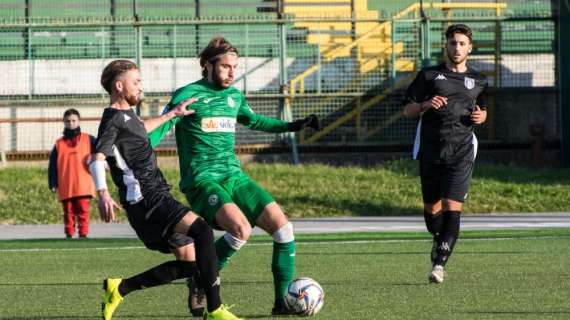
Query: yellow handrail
x,y
340,51
335,53
352,113
466,5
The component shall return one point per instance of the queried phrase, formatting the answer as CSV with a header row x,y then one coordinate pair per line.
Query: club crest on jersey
x,y
213,199
469,83
218,124
231,102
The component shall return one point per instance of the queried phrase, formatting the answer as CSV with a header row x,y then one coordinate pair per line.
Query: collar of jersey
x,y
443,66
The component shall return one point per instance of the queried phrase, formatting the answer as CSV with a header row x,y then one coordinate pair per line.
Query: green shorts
x,y
208,196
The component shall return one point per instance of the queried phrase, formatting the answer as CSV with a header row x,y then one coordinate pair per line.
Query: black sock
x,y
207,262
161,274
447,237
433,253
434,222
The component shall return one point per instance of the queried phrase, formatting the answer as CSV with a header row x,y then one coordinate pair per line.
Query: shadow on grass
x,y
521,175
500,173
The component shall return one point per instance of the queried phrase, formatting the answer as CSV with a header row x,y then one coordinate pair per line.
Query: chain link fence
x,y
349,71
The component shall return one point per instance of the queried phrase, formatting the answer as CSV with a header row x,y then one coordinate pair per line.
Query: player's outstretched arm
x,y
106,204
179,111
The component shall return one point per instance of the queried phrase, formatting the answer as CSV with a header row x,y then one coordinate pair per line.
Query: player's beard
x,y
452,60
218,81
133,100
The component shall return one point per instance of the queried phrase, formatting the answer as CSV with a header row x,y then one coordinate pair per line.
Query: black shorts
x,y
448,181
153,219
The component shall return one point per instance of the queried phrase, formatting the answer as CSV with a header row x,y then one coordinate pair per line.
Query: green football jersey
x,y
206,138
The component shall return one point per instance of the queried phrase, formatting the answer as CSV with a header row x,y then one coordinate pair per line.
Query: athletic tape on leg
x,y
284,234
234,242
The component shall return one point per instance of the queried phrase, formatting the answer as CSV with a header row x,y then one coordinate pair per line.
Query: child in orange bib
x,y
69,176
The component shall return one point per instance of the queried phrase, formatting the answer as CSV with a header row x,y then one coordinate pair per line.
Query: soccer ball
x,y
304,296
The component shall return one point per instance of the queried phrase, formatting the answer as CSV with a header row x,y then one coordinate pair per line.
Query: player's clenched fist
x,y
478,116
436,102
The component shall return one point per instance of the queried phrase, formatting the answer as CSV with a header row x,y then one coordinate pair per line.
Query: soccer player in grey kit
x,y
447,99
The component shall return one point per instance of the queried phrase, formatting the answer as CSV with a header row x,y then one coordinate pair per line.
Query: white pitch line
x,y
303,243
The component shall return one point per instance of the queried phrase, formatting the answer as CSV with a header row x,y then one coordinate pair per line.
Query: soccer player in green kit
x,y
211,176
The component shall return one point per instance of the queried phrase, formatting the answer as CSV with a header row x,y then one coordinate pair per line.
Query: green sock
x,y
283,267
224,252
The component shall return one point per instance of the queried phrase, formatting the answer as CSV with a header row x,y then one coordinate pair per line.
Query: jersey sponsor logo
x,y
219,124
469,83
440,77
126,117
213,199
231,102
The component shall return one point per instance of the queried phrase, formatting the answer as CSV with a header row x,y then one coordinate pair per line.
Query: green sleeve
x,y
156,135
159,133
258,122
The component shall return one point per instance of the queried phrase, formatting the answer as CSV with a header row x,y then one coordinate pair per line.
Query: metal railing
x,y
55,64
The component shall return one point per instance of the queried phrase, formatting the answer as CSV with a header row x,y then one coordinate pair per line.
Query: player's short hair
x,y
70,112
217,47
113,70
459,28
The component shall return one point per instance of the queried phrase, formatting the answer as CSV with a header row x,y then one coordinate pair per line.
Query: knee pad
x,y
284,234
234,242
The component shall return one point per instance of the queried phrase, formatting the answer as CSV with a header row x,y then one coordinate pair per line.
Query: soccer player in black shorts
x,y
447,99
161,222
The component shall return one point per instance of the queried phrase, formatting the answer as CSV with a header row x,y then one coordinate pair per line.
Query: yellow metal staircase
x,y
368,42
